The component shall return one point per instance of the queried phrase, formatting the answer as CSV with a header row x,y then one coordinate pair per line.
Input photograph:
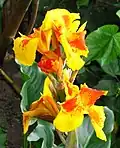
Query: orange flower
x,y
51,63
44,108
64,25
44,39
76,105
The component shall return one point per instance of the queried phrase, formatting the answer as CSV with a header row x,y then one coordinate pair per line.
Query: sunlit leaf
x,y
33,86
44,130
109,85
1,3
113,67
104,44
118,13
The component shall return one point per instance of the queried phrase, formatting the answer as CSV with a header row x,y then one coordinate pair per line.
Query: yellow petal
x,y
66,74
97,116
46,89
71,90
75,62
75,22
82,27
53,16
44,39
25,123
73,58
25,50
68,121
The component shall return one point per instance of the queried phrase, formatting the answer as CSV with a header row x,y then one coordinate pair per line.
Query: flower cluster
x,y
61,41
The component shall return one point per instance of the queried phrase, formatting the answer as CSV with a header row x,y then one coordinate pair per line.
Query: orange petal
x,y
89,95
77,43
51,63
44,39
44,108
69,105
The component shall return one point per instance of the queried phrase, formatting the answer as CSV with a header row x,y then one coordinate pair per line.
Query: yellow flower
x,y
44,108
44,39
25,46
80,103
64,25
25,49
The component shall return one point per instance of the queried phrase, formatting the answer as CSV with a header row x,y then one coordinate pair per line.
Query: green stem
x,y
71,141
10,81
30,144
73,76
61,137
25,142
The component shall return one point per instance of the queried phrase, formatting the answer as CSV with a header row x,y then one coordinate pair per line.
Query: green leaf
x,y
2,3
61,146
44,130
109,85
71,141
90,75
3,138
104,44
118,13
84,132
37,144
33,86
109,122
80,3
97,143
112,68
87,137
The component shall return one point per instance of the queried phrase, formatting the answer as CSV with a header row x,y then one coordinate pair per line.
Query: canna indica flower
x,y
25,49
25,46
78,104
51,63
64,25
44,108
44,39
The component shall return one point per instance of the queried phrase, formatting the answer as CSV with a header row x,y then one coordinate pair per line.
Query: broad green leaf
x,y
112,68
109,122
82,3
90,75
44,130
33,86
104,44
97,143
109,85
87,137
3,138
118,13
84,132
